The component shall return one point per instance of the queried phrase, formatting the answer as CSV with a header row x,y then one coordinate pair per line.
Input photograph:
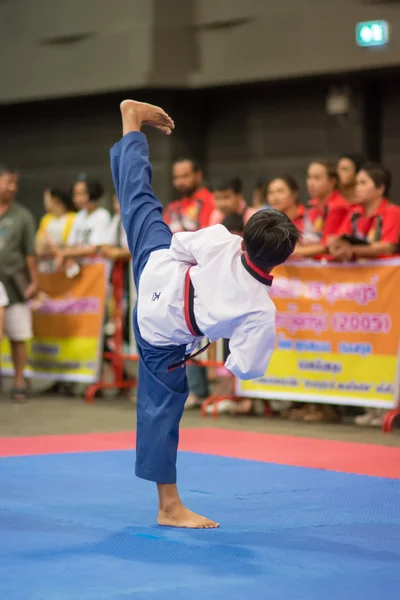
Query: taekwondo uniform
x,y
189,285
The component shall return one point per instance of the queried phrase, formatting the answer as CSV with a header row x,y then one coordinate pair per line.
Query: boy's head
x,y
228,195
269,238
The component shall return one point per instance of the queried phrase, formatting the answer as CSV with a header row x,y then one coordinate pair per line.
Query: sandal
x,y
19,395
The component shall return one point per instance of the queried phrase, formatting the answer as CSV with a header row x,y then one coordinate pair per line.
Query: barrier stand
x,y
116,357
226,387
390,418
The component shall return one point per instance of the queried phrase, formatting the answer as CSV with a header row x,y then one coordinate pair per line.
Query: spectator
x,y
259,199
348,166
91,222
234,224
372,229
282,194
115,246
55,226
229,199
192,211
326,210
18,274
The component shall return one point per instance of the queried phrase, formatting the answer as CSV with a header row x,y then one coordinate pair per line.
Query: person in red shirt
x,y
192,211
372,229
282,194
229,199
348,166
325,212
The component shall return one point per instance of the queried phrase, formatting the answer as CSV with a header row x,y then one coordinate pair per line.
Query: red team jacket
x,y
382,226
190,213
322,222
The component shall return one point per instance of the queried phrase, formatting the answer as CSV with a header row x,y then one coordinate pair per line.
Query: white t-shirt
x,y
55,229
115,234
89,229
3,296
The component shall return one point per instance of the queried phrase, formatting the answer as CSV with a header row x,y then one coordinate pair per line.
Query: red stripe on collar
x,y
256,271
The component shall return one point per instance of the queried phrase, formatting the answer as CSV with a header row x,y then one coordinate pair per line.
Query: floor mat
x,y
82,527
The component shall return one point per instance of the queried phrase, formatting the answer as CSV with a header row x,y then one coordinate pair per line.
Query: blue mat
x,y
82,527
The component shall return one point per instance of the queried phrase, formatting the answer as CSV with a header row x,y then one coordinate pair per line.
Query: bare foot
x,y
135,114
177,515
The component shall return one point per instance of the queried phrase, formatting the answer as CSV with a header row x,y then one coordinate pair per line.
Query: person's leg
x,y
160,401
19,358
198,385
18,328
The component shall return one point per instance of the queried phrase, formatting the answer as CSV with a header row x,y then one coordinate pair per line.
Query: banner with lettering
x,y
67,326
338,335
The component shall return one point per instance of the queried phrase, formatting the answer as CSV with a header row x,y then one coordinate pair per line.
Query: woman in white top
x,y
55,226
88,231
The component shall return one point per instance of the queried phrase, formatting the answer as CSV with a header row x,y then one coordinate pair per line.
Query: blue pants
x,y
161,396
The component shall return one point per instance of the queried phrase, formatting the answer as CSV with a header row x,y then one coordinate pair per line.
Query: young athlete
x,y
190,285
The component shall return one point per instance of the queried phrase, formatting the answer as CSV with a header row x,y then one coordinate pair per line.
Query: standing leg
x,y
160,400
18,328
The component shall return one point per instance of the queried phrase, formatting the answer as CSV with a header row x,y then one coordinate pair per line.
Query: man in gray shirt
x,y
18,273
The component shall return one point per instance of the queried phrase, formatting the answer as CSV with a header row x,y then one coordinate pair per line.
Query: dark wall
x,y
272,129
51,142
252,131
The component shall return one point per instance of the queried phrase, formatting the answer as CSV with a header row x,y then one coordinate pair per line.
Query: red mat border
x,y
347,457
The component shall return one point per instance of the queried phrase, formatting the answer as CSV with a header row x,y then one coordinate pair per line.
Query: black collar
x,y
256,272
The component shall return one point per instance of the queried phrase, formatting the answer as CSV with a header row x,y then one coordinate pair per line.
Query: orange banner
x,y
67,327
338,333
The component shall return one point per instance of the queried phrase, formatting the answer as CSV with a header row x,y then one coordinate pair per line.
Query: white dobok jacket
x,y
205,285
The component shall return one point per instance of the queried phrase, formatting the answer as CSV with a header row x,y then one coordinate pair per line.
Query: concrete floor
x,y
66,415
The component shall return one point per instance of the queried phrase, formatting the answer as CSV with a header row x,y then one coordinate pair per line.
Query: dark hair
x,y
63,196
357,159
331,168
228,183
270,238
94,186
379,175
288,179
260,183
7,170
234,223
195,164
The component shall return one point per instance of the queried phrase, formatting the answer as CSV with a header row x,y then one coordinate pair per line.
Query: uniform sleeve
x,y
391,227
99,233
199,247
29,235
251,348
334,220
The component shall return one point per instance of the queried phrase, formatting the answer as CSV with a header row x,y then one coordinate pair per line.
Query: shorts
x,y
18,322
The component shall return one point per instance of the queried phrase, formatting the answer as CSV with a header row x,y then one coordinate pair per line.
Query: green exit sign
x,y
372,33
